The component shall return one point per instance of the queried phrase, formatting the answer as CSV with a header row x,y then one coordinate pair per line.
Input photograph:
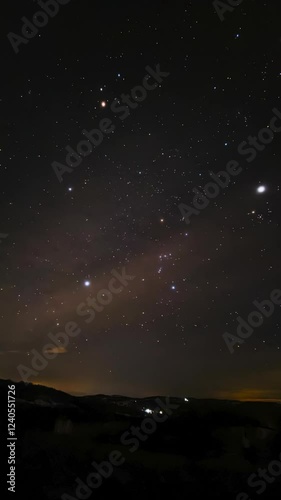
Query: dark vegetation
x,y
205,449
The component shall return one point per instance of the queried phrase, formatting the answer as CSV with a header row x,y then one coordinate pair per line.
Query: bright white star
x,y
261,189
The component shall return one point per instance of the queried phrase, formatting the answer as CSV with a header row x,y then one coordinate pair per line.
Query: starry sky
x,y
60,241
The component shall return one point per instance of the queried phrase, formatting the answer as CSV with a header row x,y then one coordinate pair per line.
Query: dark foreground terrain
x,y
187,448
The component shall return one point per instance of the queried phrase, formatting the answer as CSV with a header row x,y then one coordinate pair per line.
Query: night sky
x,y
163,333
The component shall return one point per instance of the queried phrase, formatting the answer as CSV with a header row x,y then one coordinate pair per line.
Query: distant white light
x,y
186,400
173,287
103,104
70,189
261,189
161,413
147,410
87,283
